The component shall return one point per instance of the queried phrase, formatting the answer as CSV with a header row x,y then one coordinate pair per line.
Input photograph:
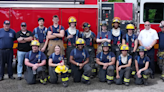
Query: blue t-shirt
x,y
56,30
72,40
90,39
79,55
57,58
129,39
7,38
120,62
40,34
34,57
105,58
103,35
115,39
161,41
142,61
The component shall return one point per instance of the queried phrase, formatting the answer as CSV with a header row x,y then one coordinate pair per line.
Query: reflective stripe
x,y
93,70
48,77
69,70
114,71
65,79
109,77
133,72
85,77
126,80
145,76
162,75
45,79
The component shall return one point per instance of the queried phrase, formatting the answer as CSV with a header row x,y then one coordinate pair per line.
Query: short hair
x,y
55,16
40,19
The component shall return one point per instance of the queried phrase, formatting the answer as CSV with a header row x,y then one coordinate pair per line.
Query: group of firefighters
x,y
119,55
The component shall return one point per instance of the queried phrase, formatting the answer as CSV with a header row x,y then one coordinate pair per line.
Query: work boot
x,y
109,82
11,77
65,84
152,76
163,79
126,84
145,82
1,78
19,78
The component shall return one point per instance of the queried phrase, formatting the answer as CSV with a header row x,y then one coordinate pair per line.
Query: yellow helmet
x,y
72,20
116,19
80,41
124,47
35,42
61,69
130,26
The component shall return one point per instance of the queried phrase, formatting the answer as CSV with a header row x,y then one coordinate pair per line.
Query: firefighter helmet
x,y
35,42
105,44
61,69
141,48
161,24
124,47
130,26
86,25
104,23
116,19
72,20
80,41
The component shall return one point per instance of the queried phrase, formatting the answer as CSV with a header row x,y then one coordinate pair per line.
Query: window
x,y
153,12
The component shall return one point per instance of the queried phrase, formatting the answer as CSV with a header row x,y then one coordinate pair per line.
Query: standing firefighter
x,y
71,35
123,68
90,39
161,49
55,35
40,34
57,67
35,61
7,37
142,65
79,59
103,36
131,40
106,60
117,34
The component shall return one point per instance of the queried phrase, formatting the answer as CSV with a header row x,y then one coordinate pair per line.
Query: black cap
x,y
23,24
7,22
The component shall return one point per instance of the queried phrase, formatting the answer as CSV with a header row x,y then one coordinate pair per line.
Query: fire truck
x,y
91,11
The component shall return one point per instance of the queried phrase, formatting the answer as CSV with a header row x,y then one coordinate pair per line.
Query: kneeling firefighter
x,y
56,67
106,60
79,59
123,66
90,39
142,67
35,61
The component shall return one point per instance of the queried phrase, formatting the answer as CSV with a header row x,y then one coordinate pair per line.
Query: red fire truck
x,y
91,11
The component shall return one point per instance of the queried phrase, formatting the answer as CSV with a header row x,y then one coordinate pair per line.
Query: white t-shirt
x,y
148,36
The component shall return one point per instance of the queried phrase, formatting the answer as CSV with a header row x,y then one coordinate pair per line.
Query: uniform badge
x,y
28,34
132,40
109,58
144,61
57,30
37,56
60,58
43,32
83,54
10,35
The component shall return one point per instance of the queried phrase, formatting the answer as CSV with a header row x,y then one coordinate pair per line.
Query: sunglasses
x,y
23,26
147,25
162,27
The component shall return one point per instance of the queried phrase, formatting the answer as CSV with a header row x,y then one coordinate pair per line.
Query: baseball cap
x,y
6,22
23,24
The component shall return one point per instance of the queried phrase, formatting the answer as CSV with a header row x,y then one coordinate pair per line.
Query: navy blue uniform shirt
x,y
130,39
88,40
41,34
120,62
56,30
106,58
115,39
57,58
79,55
161,41
34,57
142,61
103,35
7,38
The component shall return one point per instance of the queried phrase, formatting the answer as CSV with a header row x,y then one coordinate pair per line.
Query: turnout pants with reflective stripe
x,y
124,76
116,50
6,56
68,51
81,74
30,77
145,75
53,76
92,62
106,75
161,65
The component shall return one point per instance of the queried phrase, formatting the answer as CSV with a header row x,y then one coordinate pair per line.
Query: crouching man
x,y
35,61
